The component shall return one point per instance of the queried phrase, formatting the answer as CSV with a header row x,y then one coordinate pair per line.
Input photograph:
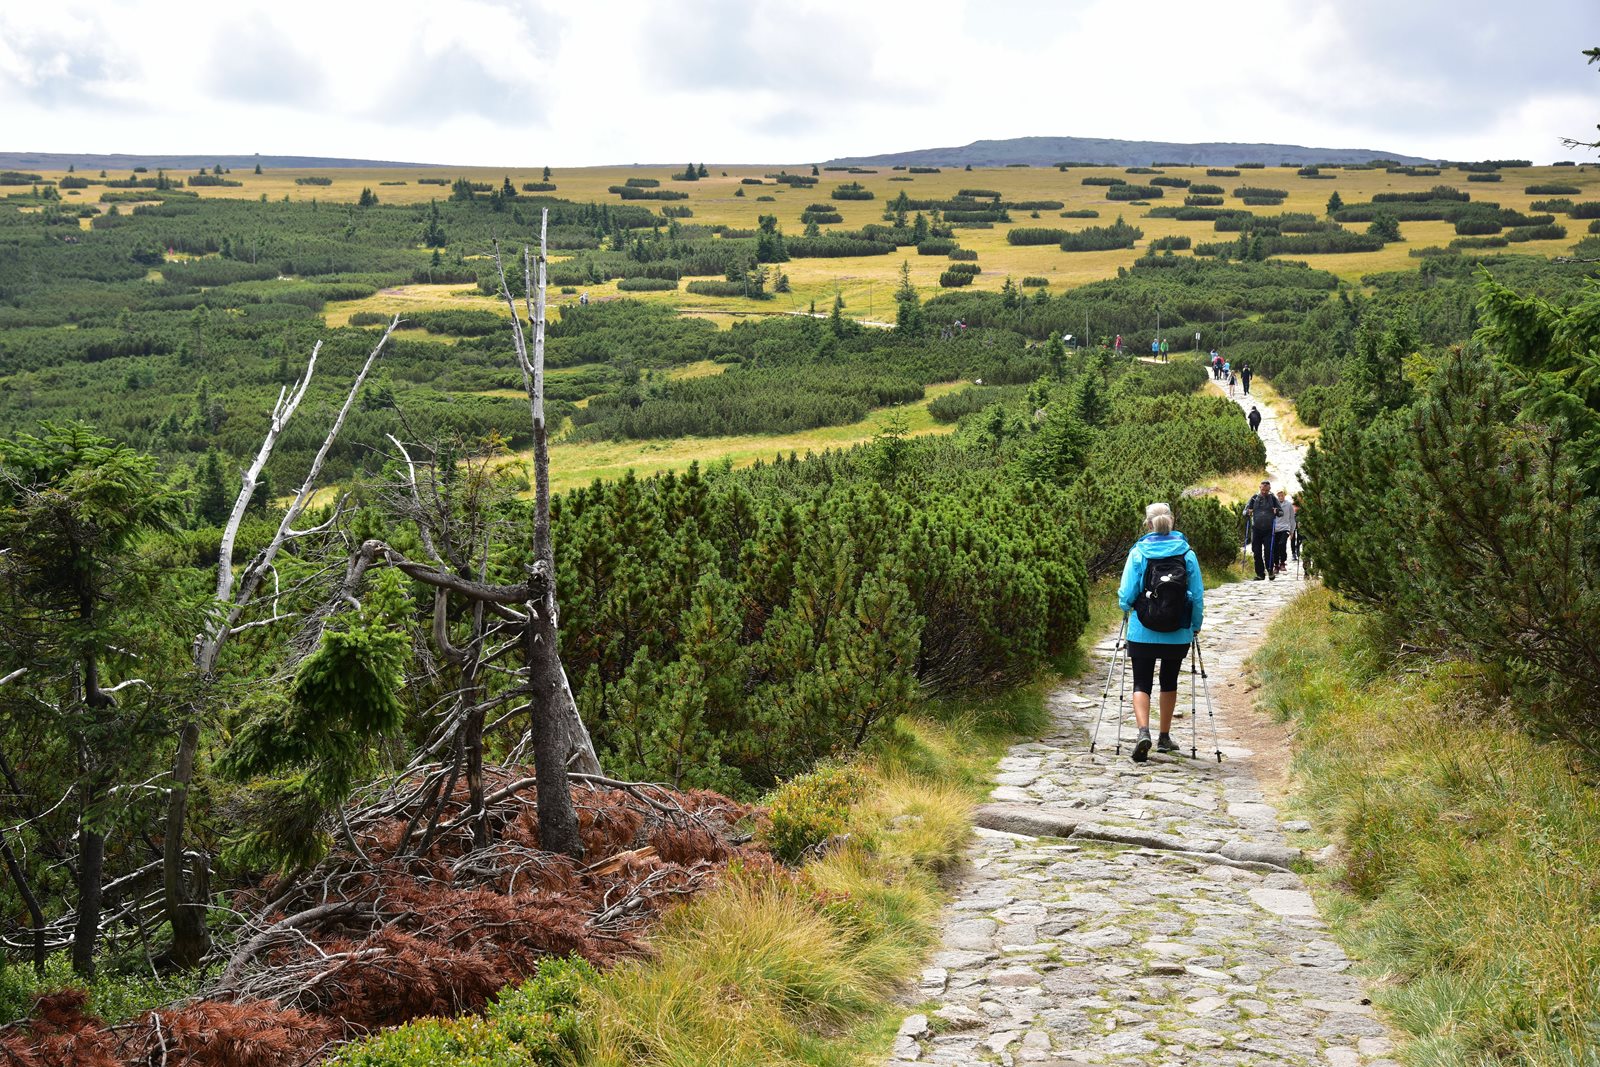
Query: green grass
x,y
1467,884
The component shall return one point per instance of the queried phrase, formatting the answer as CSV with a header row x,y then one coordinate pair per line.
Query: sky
x,y
588,82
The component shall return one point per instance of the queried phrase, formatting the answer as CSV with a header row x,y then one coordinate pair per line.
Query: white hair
x,y
1158,518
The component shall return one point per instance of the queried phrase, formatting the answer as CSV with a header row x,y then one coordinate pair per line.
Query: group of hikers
x,y
1223,370
1162,596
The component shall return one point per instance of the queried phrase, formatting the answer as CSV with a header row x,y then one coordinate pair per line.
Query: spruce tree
x,y
547,174
258,168
211,493
908,316
1335,202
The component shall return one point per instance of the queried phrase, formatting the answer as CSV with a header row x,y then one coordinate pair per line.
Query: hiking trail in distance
x,y
1121,913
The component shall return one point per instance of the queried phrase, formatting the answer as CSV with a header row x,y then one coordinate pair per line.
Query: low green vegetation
x,y
1467,848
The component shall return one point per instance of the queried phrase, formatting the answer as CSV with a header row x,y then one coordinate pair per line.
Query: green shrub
x,y
655,183
1176,243
1206,188
853,191
1588,209
810,808
924,170
1081,213
313,180
937,246
1483,177
1171,183
1476,225
1033,281
1221,172
1546,232
1102,238
979,194
467,1041
1134,192
646,285
1094,179
1479,242
964,268
1552,189
1034,235
954,279
542,1015
1202,201
1255,190
966,254
1212,529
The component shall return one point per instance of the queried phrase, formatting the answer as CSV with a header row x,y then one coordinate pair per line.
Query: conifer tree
x,y
908,306
1335,202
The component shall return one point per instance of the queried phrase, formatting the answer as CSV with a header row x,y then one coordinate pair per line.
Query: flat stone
x,y
1339,1056
1023,819
971,934
1288,903
1277,855
958,1017
915,1026
1011,794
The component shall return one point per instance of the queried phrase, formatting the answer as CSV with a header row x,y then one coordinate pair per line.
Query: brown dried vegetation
x,y
377,935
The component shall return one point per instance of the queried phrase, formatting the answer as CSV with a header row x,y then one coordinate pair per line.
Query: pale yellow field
x,y
867,284
575,464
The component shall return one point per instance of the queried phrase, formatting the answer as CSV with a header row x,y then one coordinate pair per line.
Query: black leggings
x,y
1143,655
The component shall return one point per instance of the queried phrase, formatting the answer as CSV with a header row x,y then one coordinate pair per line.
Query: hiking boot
x,y
1165,743
1141,748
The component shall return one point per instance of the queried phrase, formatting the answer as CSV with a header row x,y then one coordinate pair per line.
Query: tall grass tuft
x,y
1470,850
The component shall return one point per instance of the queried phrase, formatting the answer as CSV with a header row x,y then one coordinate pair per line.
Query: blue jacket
x,y
1159,546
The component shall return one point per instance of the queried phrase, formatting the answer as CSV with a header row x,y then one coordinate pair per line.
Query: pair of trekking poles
x,y
1198,679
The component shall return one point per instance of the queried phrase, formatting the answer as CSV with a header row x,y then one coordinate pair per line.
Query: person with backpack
x,y
1254,418
1163,595
1263,510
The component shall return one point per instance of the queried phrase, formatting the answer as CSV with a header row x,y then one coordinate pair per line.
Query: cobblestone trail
x,y
1119,913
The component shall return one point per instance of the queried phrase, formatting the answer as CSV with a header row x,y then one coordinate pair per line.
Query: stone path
x,y
1124,913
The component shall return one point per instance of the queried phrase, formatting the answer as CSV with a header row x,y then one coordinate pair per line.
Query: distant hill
x,y
1046,151
100,161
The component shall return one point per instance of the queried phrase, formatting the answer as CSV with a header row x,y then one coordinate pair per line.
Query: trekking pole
x,y
1122,685
1216,737
1105,691
1194,710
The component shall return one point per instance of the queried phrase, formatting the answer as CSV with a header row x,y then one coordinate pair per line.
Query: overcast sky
x,y
527,83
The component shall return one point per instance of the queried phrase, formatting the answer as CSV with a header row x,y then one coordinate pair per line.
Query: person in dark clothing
x,y
1262,510
1254,418
1245,374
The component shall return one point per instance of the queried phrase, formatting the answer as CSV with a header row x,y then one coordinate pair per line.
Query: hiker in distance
x,y
1262,510
1254,418
1245,374
1163,590
1283,532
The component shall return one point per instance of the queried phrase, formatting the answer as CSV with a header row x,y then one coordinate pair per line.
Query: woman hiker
x,y
1164,596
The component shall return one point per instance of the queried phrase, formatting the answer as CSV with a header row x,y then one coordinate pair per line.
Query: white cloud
x,y
525,82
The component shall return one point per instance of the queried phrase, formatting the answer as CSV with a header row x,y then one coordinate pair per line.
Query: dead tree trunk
x,y
186,910
561,715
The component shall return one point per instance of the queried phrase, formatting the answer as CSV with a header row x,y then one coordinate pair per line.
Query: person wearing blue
x,y
1162,555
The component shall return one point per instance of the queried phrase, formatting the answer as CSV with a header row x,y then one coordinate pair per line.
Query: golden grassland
x,y
577,463
867,283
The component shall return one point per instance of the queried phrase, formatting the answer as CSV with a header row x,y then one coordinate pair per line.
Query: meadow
x,y
867,283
